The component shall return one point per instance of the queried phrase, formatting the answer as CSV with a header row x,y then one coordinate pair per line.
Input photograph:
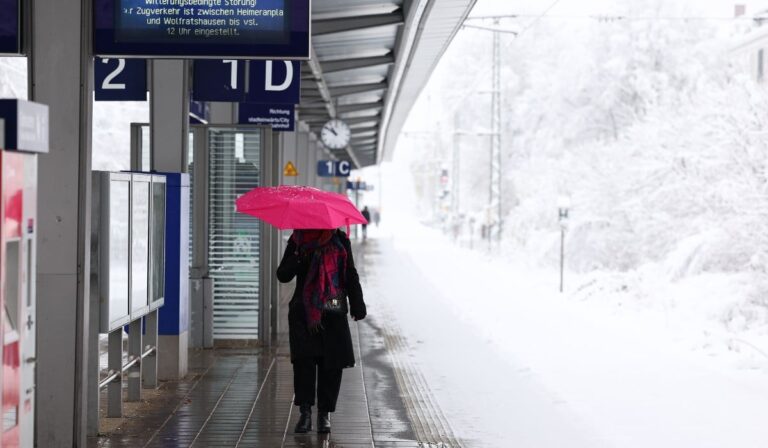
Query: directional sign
x,y
274,82
219,80
120,79
333,168
280,117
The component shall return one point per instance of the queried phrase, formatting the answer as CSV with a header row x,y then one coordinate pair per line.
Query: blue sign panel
x,y
10,20
216,80
120,79
279,117
361,186
277,29
333,168
174,315
274,82
26,125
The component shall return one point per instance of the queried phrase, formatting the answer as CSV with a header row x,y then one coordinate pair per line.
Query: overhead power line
x,y
540,16
491,29
615,17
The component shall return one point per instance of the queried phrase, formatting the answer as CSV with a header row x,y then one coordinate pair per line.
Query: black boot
x,y
305,419
323,422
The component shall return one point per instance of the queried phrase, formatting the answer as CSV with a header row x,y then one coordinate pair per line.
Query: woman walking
x,y
321,344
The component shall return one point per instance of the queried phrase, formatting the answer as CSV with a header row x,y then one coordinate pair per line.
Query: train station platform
x,y
243,397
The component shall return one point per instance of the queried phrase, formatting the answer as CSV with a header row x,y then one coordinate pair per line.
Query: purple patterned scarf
x,y
327,258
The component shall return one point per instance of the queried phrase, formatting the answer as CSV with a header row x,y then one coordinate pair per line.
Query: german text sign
x,y
278,117
120,79
224,28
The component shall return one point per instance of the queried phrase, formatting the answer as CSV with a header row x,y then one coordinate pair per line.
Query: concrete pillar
x,y
287,153
271,173
61,77
223,113
169,133
313,159
302,158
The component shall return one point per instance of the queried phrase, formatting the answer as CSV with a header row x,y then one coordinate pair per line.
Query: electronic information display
x,y
202,28
10,20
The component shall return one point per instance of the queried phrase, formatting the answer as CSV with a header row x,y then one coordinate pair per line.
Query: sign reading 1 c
x,y
334,168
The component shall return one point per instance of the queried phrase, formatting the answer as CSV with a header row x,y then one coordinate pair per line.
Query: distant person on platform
x,y
367,216
318,329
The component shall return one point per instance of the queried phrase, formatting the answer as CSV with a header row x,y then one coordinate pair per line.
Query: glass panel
x,y
12,283
30,276
233,250
10,418
158,241
191,172
145,149
119,215
140,246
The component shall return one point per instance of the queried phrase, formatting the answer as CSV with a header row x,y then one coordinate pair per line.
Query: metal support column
x,y
455,167
223,113
270,164
60,75
149,364
134,350
93,369
115,364
201,287
496,201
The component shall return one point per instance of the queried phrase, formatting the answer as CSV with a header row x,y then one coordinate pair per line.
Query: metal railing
x,y
139,372
132,361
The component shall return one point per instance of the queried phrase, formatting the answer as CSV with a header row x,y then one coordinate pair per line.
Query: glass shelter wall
x,y
232,160
233,238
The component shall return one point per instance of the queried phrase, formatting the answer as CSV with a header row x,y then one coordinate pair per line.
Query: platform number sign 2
x,y
120,79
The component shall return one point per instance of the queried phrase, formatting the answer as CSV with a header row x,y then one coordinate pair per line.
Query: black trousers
x,y
309,376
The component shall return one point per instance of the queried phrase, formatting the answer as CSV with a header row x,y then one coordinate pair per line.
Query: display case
x,y
141,188
127,246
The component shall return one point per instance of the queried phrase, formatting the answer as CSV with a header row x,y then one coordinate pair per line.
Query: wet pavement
x,y
243,398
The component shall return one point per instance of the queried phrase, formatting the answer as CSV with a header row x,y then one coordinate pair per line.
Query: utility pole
x,y
455,166
495,203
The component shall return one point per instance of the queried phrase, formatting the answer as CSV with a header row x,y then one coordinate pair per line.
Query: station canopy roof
x,y
370,60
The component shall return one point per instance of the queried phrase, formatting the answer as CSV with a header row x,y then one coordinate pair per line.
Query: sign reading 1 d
x,y
333,168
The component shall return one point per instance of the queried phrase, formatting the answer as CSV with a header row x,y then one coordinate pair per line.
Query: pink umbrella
x,y
298,207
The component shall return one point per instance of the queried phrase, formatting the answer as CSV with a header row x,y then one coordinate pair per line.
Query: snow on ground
x,y
514,363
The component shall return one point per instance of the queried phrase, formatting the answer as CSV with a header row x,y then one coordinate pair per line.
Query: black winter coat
x,y
334,342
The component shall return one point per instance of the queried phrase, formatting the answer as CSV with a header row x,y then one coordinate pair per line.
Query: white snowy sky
x,y
719,8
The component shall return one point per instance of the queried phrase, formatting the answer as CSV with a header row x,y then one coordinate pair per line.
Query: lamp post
x,y
563,208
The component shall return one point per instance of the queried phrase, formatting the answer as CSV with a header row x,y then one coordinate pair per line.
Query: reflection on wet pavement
x,y
243,398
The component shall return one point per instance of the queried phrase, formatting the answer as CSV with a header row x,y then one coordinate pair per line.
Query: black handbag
x,y
337,305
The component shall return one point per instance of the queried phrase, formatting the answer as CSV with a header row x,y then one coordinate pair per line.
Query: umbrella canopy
x,y
298,207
